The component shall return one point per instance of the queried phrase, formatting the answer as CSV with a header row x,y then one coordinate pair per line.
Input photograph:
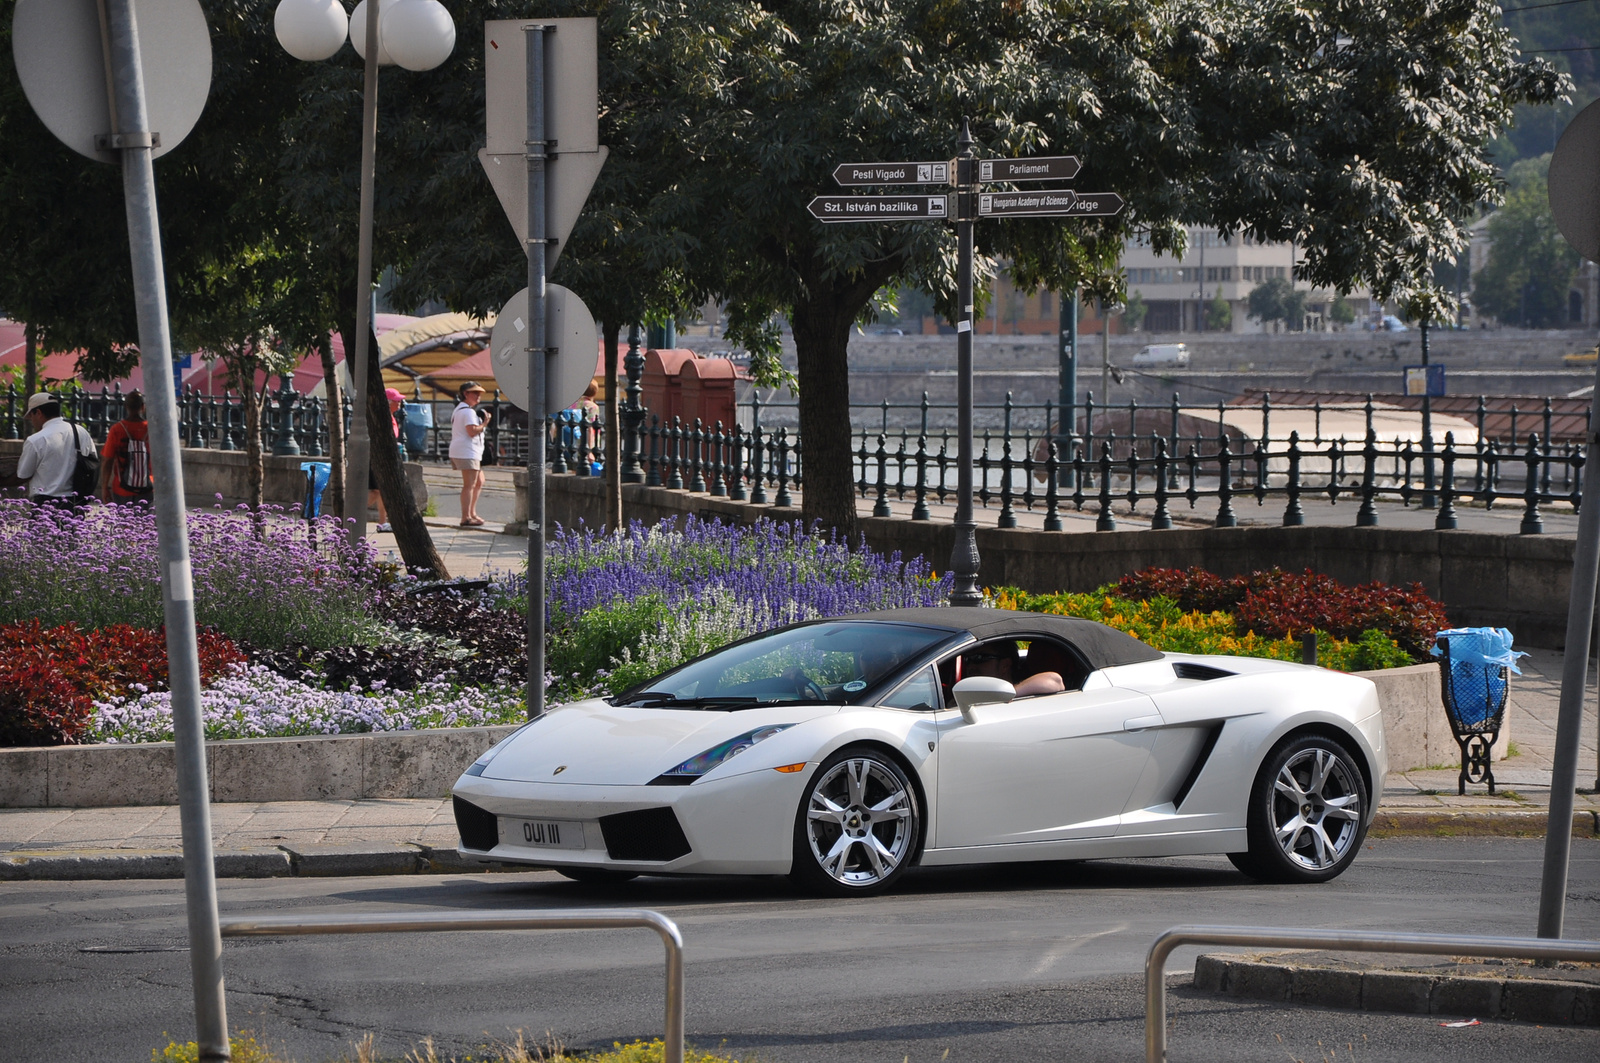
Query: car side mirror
x,y
982,690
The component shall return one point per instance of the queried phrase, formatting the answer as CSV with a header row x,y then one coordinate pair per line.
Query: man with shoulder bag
x,y
59,460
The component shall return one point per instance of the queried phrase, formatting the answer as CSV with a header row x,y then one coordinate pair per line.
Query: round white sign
x,y
569,329
62,66
1575,183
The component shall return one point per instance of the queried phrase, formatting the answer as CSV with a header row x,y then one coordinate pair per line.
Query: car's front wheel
x,y
857,827
1307,812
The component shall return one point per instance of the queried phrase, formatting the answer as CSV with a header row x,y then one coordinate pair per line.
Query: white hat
x,y
40,399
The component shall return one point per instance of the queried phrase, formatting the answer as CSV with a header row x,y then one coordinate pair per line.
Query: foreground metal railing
x,y
516,919
1155,982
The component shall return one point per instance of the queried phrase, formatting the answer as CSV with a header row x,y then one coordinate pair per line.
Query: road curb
x,y
1420,823
1546,1001
284,861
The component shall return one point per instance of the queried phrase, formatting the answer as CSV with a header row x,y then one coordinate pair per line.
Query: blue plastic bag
x,y
317,475
1477,655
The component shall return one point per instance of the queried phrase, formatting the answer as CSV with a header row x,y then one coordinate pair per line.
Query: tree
x,y
1530,266
1133,314
1340,312
1219,315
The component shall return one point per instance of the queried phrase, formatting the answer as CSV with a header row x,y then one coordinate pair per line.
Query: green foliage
x,y
1340,312
1278,300
1219,313
1530,264
589,647
244,1049
1133,314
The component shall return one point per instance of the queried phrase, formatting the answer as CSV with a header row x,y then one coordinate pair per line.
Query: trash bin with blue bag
x,y
1474,679
317,474
415,424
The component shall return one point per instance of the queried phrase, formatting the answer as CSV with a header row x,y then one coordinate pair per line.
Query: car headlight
x,y
494,750
694,767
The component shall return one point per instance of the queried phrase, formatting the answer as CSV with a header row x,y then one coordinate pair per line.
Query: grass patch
x,y
246,1049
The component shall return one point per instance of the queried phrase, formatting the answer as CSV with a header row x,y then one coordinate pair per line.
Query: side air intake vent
x,y
648,834
1193,670
479,829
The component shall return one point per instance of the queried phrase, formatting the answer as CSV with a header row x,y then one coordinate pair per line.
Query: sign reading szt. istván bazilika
x,y
879,208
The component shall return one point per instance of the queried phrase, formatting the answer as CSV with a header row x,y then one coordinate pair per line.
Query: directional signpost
x,y
967,204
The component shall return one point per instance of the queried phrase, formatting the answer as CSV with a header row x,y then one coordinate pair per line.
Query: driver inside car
x,y
999,660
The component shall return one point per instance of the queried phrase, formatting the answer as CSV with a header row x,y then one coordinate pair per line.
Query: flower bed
x,y
1263,614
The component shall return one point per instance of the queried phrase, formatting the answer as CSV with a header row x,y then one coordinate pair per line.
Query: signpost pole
x,y
1428,499
1067,430
130,120
358,448
964,552
1576,210
538,363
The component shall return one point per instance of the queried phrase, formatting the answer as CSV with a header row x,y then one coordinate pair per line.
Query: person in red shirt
x,y
125,458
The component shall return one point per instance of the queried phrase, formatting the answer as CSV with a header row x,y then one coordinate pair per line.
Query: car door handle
x,y
1139,723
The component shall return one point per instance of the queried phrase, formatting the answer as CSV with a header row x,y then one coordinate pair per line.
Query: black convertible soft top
x,y
1101,646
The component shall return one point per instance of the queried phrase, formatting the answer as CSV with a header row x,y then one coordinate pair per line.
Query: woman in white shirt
x,y
466,449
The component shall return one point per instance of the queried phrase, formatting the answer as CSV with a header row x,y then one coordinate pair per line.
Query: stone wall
x,y
208,473
1514,581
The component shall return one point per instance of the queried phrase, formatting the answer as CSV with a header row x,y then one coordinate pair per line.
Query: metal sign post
x,y
542,155
535,37
1575,204
968,173
88,43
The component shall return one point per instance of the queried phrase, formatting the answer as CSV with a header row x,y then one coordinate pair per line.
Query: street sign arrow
x,y
892,173
1097,204
878,208
1050,202
1044,168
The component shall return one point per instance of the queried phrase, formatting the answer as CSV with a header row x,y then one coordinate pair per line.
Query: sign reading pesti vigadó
x,y
879,208
892,173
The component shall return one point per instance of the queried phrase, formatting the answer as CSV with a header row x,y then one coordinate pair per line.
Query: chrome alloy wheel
x,y
861,821
1316,809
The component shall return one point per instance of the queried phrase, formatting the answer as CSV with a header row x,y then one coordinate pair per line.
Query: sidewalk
x,y
401,836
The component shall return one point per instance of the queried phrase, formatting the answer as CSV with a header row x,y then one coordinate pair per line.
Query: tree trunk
x,y
822,326
255,470
30,372
410,532
334,400
613,440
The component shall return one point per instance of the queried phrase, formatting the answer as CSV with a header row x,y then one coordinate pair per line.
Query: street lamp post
x,y
417,35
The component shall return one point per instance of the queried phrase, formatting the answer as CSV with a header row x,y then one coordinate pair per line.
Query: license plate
x,y
542,833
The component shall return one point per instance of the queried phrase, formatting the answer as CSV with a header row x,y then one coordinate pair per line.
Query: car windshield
x,y
837,662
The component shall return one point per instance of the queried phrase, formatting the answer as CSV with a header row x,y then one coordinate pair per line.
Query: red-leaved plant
x,y
1275,603
49,677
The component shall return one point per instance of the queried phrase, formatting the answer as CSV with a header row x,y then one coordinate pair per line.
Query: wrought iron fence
x,y
1155,459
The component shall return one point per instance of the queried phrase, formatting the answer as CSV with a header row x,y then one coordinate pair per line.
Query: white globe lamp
x,y
358,32
310,30
417,34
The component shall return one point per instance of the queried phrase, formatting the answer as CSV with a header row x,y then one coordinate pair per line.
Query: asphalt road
x,y
997,964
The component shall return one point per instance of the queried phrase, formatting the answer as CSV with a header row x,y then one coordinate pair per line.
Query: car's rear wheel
x,y
597,876
857,827
1307,812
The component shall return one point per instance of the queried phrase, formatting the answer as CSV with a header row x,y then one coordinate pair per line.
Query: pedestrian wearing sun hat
x,y
466,449
50,454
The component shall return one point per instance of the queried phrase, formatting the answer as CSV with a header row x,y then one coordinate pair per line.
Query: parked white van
x,y
1163,354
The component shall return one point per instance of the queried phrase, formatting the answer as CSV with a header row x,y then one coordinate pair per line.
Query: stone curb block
x,y
306,861
1508,824
1551,1003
